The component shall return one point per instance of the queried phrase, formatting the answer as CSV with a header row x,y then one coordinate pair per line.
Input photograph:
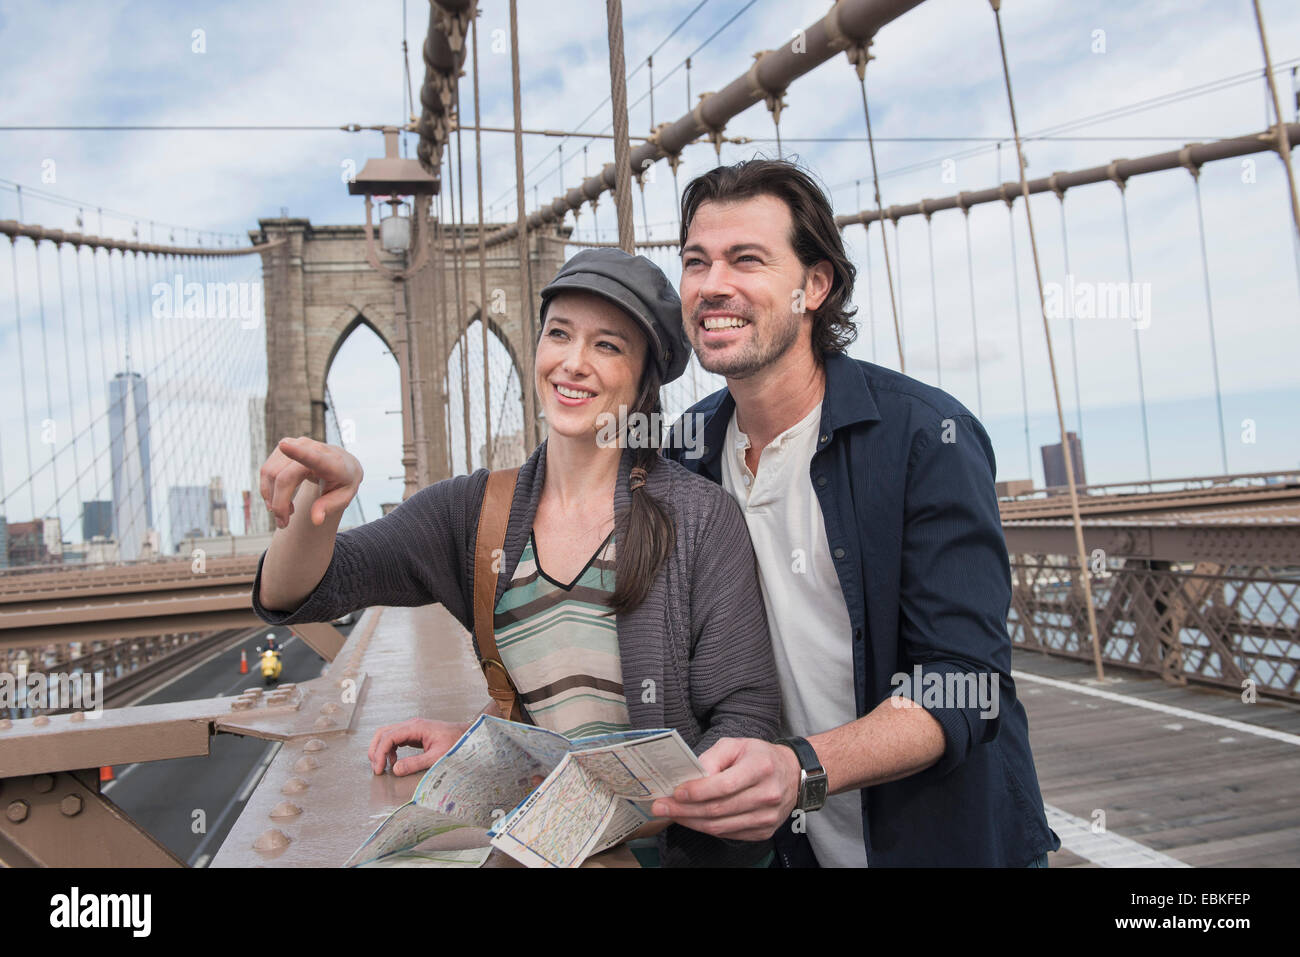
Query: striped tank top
x,y
561,648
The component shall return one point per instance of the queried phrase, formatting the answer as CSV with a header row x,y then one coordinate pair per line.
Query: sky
x,y
936,75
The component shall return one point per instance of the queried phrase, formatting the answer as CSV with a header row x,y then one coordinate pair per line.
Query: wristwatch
x,y
812,776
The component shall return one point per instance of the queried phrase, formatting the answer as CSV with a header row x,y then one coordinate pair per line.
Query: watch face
x,y
815,795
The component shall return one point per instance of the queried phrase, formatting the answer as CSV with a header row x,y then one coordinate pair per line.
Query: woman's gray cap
x,y
641,289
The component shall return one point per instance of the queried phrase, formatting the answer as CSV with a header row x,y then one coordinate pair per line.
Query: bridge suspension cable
x,y
974,324
1074,346
858,56
1209,316
934,301
1020,335
1084,577
1137,341
482,261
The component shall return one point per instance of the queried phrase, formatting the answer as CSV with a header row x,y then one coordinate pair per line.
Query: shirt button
x,y
821,481
839,553
746,481
826,438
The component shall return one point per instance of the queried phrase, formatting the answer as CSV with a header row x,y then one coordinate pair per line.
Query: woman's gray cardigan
x,y
696,654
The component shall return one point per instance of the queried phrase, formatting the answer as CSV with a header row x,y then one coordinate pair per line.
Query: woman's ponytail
x,y
645,534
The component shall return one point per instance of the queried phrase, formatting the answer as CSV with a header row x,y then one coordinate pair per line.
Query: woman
x,y
627,594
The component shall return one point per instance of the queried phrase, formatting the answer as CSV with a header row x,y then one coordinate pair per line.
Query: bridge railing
x,y
1233,626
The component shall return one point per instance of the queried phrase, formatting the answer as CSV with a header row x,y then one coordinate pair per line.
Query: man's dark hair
x,y
815,236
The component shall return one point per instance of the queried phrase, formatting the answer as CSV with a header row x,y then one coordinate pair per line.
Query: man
x,y
869,498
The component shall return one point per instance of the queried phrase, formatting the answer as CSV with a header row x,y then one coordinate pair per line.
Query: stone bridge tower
x,y
319,287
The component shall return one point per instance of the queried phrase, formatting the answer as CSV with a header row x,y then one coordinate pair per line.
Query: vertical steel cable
x,y
618,96
871,286
1084,576
85,357
45,364
1074,346
527,315
22,376
1137,342
462,316
444,352
934,300
155,364
861,66
67,365
1020,338
482,255
104,367
974,325
1209,316
902,321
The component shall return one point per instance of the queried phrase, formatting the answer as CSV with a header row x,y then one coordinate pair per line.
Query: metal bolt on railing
x,y
272,839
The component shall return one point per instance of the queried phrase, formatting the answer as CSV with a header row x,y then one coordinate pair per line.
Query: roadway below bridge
x,y
164,796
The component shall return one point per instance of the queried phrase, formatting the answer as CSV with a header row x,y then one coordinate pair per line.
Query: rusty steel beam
x,y
321,637
109,618
1192,157
54,581
1185,500
1231,480
37,234
1267,545
62,820
180,729
1190,502
848,24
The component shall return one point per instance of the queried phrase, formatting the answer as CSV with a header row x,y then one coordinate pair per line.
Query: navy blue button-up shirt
x,y
904,474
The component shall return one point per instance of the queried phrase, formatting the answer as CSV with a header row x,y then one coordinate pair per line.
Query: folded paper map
x,y
595,792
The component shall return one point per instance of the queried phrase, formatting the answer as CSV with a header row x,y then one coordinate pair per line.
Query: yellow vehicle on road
x,y
271,664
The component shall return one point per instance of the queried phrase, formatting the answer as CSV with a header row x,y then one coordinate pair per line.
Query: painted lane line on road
x,y
250,782
1105,849
1284,736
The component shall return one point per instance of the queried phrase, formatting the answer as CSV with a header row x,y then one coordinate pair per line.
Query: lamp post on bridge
x,y
389,179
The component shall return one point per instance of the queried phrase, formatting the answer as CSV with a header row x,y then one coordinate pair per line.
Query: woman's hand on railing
x,y
435,737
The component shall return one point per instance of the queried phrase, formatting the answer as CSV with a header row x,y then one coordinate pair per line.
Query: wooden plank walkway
x,y
1184,776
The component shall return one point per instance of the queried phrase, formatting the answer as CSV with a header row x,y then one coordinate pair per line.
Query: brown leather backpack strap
x,y
493,517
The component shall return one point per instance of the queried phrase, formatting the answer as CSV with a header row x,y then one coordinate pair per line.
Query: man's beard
x,y
756,354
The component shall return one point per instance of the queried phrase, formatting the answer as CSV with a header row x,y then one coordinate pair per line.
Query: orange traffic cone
x,y
105,773
243,661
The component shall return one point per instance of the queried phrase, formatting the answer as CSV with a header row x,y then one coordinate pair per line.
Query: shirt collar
x,y
847,400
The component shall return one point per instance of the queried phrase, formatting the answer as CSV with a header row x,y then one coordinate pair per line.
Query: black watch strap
x,y
812,779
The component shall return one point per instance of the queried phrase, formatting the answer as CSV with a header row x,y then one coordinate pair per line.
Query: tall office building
x,y
96,520
38,542
218,514
187,511
128,423
257,519
1054,463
